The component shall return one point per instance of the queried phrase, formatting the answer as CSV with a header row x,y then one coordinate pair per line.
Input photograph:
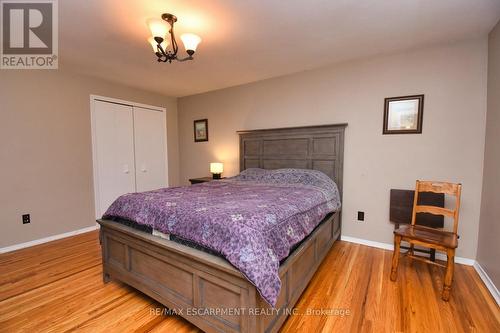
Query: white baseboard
x,y
47,239
366,242
387,246
487,281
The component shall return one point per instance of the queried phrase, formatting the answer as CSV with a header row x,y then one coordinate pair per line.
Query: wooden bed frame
x,y
207,290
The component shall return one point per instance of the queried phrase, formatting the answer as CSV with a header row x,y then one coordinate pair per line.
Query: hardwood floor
x,y
57,287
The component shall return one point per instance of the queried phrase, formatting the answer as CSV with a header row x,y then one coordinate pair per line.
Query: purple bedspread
x,y
253,220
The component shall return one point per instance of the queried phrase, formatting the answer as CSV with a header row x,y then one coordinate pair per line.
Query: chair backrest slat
x,y
437,187
435,210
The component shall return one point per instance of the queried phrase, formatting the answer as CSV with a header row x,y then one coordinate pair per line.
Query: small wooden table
x,y
202,180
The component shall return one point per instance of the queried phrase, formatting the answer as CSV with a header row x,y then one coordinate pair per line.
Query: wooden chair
x,y
428,237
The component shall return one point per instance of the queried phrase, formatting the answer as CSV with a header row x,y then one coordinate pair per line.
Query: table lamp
x,y
216,169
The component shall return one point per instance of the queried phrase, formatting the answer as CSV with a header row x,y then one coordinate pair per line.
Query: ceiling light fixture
x,y
159,40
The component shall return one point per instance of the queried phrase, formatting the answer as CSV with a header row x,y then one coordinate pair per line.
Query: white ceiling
x,y
251,40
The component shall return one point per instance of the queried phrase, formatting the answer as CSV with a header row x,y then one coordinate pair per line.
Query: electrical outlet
x,y
26,218
361,216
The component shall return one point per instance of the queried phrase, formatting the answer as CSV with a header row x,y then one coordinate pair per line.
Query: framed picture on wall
x,y
201,130
403,115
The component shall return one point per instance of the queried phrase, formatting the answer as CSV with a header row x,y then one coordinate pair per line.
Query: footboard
x,y
205,289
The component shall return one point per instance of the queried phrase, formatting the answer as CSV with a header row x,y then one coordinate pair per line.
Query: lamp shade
x,y
190,41
216,168
159,28
153,43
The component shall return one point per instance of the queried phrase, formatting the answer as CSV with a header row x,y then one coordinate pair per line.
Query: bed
x,y
206,288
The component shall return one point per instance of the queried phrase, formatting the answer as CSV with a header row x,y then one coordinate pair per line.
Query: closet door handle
x,y
143,168
125,169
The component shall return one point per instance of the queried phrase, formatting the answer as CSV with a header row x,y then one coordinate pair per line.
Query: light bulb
x,y
190,41
159,28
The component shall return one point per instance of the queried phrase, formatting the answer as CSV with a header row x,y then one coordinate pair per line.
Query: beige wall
x,y
453,79
488,252
46,154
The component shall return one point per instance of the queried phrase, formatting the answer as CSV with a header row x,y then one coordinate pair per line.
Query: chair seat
x,y
428,235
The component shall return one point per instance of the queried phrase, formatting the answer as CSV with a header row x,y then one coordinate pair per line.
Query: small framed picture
x,y
201,130
403,115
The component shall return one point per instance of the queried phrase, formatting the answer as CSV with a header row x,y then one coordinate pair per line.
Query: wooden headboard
x,y
309,147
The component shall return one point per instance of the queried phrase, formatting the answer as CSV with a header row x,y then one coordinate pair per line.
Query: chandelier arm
x,y
161,50
172,38
185,59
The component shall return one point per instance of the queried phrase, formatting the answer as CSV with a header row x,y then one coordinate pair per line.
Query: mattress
x,y
180,240
253,220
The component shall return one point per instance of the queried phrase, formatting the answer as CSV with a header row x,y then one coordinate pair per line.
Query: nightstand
x,y
202,180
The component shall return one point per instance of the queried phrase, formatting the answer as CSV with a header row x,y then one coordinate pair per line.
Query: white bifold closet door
x,y
129,150
149,133
114,151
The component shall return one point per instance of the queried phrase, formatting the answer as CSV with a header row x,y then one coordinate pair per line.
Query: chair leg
x,y
395,258
448,278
